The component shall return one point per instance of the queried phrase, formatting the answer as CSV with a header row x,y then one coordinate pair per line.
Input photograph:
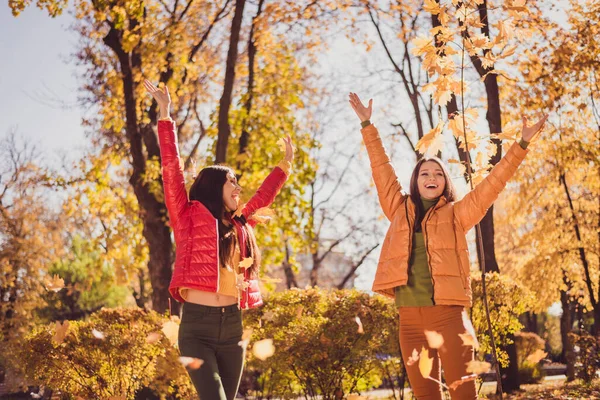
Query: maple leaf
x,y
153,337
360,325
478,367
241,283
432,7
434,339
246,335
454,385
191,362
425,363
414,357
461,166
246,263
469,328
171,331
281,144
432,142
61,330
55,283
537,356
240,209
263,349
268,316
422,45
97,334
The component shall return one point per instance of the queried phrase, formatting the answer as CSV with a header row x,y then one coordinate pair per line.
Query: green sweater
x,y
418,291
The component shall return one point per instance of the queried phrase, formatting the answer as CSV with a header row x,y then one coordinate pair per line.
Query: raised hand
x,y
162,97
363,113
289,149
529,132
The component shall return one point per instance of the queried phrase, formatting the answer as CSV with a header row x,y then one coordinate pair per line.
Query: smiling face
x,y
431,181
231,193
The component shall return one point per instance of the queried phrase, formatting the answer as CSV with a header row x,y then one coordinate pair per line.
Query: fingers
x,y
370,104
149,86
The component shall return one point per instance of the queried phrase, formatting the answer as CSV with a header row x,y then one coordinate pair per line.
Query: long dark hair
x,y
208,190
448,193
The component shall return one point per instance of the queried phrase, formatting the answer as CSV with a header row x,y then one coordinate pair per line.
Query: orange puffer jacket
x,y
444,226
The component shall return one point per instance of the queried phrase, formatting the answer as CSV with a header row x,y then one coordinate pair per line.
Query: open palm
x,y
529,132
364,113
162,97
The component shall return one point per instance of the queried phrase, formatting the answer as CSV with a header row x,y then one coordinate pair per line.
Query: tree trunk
x,y
245,136
224,129
152,211
290,277
567,355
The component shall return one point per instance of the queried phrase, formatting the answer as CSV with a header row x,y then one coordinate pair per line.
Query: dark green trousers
x,y
212,334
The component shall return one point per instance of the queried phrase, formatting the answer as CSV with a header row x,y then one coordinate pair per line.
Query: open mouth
x,y
431,186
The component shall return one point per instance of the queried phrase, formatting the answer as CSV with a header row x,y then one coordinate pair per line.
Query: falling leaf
x,y
469,329
425,363
434,339
171,331
238,212
468,340
246,263
454,385
478,367
432,142
537,356
241,283
263,349
263,215
268,316
61,331
360,325
191,362
413,358
246,335
281,144
432,7
55,283
98,335
153,337
356,397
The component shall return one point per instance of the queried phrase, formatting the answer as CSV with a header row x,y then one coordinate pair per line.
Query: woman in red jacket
x,y
217,259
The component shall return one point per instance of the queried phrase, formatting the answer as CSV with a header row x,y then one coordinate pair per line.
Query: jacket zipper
x,y
410,234
427,248
460,271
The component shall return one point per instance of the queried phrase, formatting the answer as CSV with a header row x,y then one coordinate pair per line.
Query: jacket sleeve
x,y
176,197
389,189
472,208
266,193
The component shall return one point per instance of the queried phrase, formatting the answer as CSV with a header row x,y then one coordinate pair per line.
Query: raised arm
x,y
268,190
389,189
176,197
472,208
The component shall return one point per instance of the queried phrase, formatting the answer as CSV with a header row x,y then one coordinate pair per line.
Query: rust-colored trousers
x,y
447,321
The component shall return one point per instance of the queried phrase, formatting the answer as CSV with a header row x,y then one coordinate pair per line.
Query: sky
x,y
37,75
34,79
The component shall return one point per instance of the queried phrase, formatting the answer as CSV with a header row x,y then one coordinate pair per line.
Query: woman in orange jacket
x,y
424,262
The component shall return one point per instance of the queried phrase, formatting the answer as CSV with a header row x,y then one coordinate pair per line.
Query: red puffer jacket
x,y
196,230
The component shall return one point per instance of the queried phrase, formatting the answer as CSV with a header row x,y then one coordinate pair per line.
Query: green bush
x,y
319,351
507,300
587,355
527,344
122,363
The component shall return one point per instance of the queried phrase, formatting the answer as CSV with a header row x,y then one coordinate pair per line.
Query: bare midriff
x,y
209,298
